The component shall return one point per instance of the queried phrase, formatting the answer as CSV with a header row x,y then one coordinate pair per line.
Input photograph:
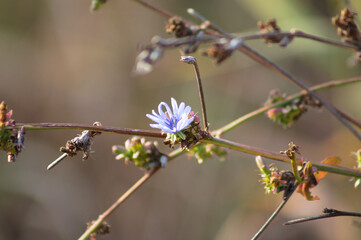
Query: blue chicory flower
x,y
171,121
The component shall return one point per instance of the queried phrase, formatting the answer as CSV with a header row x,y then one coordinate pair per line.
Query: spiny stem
x,y
262,110
76,126
328,213
275,213
193,61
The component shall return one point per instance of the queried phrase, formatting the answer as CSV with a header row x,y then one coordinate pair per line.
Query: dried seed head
x,y
346,26
82,143
271,27
218,51
178,27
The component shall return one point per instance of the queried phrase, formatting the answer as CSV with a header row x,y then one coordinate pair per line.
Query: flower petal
x,y
155,119
160,110
173,120
187,110
175,107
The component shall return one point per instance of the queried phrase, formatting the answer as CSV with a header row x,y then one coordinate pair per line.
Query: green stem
x,y
294,168
283,158
262,110
125,196
116,204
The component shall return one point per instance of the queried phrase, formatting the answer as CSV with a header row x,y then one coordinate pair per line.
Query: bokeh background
x,y
61,63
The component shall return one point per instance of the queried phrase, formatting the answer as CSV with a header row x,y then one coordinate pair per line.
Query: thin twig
x,y
126,131
155,8
273,66
276,68
56,161
275,213
126,195
348,117
299,34
262,110
328,213
193,61
117,203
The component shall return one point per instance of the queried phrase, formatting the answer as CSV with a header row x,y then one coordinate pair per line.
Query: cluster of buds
x,y
205,151
309,180
306,176
275,181
11,139
358,163
144,154
346,26
147,58
179,28
222,49
289,112
271,27
103,229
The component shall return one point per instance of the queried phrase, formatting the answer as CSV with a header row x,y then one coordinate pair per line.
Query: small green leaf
x,y
181,135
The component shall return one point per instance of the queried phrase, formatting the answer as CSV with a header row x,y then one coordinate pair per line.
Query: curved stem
x,y
193,61
262,110
276,68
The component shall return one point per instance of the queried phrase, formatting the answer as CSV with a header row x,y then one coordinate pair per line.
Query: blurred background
x,y
61,63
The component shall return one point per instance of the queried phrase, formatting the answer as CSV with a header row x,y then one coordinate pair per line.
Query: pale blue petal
x,y
153,125
184,123
181,108
175,107
160,110
168,130
155,114
187,110
155,119
175,120
169,111
181,125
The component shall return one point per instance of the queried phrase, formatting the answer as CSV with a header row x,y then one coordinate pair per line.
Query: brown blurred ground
x,y
60,63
